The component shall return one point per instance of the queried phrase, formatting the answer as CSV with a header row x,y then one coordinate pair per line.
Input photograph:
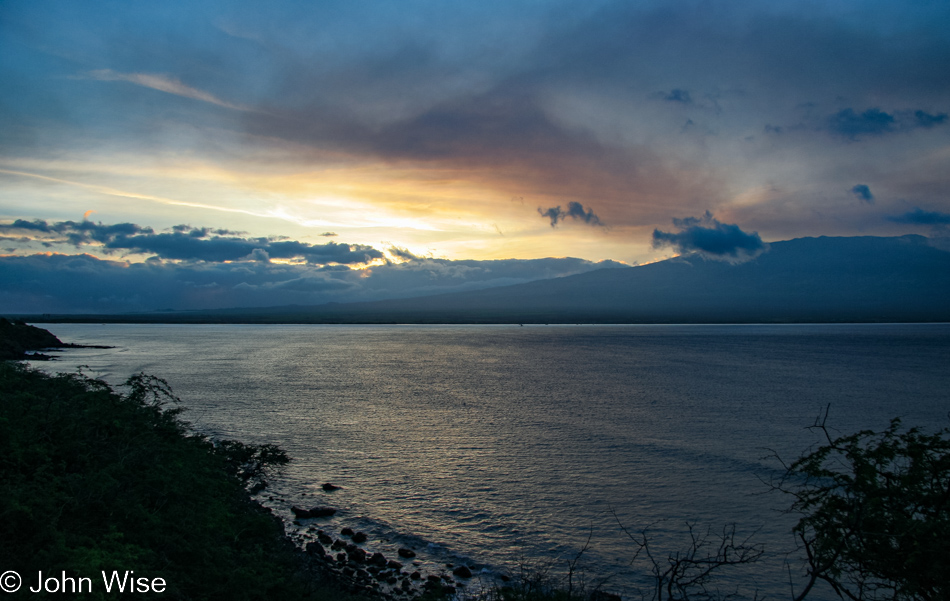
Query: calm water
x,y
493,444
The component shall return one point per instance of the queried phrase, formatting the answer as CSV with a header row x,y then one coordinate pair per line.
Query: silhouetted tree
x,y
690,573
875,513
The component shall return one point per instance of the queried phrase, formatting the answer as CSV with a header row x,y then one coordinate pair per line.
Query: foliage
x,y
93,479
875,513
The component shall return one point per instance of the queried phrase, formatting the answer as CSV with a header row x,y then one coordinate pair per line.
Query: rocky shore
x,y
354,562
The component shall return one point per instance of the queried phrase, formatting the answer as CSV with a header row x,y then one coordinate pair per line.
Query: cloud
x,y
404,254
926,120
875,122
508,138
852,125
78,233
863,192
677,95
187,243
554,101
575,211
181,246
709,237
259,254
57,283
162,83
202,232
920,217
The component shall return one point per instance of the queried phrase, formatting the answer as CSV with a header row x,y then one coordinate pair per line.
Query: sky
x,y
248,153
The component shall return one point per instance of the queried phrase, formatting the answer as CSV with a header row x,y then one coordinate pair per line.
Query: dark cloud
x,y
37,225
507,136
709,237
875,122
926,120
181,246
259,254
921,217
575,211
404,254
850,124
203,232
863,192
78,233
677,95
187,243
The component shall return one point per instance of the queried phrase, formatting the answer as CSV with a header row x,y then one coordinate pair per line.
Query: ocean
x,y
509,448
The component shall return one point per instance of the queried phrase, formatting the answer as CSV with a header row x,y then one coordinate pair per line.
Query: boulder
x,y
322,512
315,548
406,553
346,532
316,512
330,487
462,572
356,554
359,537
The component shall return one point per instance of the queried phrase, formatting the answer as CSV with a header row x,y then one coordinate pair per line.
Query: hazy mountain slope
x,y
860,279
807,279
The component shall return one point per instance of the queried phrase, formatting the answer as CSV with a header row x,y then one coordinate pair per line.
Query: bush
x,y
97,480
875,513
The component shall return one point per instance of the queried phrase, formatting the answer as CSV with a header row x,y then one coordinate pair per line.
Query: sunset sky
x,y
442,133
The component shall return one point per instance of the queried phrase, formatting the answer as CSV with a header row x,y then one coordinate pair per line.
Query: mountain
x,y
863,279
858,279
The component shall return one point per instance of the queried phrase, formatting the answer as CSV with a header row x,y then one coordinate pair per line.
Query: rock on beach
x,y
316,512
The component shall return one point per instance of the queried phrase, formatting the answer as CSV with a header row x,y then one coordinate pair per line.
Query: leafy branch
x,y
875,513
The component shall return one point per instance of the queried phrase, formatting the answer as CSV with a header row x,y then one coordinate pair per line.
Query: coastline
x,y
20,340
349,562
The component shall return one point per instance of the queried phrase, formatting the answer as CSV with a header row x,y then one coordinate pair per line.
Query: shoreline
x,y
345,557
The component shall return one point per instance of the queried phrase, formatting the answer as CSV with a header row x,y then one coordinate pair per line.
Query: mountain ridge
x,y
821,279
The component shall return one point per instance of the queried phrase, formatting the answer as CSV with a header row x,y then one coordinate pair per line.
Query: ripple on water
x,y
493,444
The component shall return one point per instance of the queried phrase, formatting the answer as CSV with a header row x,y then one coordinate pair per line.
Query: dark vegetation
x,y
93,479
875,513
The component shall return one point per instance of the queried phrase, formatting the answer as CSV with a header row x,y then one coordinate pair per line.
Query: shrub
x,y
875,513
94,480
